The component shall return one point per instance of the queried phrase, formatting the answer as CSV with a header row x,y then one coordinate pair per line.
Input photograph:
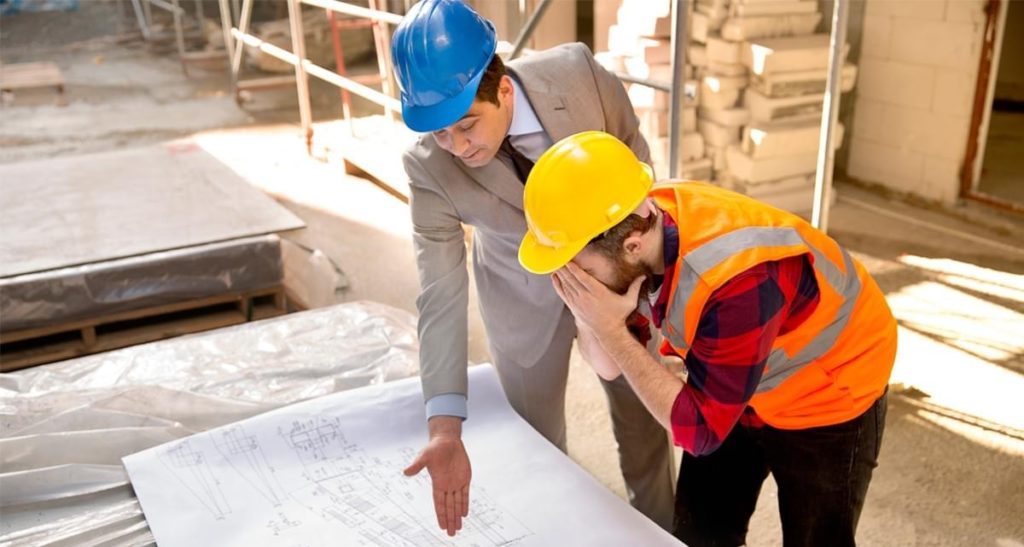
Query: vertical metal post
x,y
301,81
243,26
383,46
675,112
140,17
830,113
179,35
528,28
225,27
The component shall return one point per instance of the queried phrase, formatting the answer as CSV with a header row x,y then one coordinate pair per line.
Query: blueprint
x,y
329,471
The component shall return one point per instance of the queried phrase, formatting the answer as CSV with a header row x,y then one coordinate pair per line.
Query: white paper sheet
x,y
329,472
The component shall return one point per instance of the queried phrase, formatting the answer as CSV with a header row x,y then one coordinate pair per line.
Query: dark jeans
x,y
822,474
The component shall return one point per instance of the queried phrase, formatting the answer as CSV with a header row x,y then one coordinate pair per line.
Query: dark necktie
x,y
521,163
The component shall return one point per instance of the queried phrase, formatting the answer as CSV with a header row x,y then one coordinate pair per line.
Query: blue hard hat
x,y
440,51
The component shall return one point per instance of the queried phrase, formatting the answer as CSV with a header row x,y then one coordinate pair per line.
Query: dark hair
x,y
488,90
610,243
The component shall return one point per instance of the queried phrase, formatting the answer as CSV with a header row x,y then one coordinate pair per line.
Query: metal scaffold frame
x,y
234,37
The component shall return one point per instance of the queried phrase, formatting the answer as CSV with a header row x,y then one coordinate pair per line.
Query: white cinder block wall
x,y
918,65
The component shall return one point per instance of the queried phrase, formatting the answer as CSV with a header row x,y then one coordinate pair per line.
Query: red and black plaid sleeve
x,y
736,332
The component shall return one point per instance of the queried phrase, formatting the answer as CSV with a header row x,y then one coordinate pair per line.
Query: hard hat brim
x,y
425,119
541,259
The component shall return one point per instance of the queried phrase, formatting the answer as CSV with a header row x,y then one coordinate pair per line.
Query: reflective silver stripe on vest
x,y
702,259
781,366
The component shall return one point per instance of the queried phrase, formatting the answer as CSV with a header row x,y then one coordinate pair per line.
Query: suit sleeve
x,y
439,242
620,118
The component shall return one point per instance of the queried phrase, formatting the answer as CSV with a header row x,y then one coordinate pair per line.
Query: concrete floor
x,y
952,466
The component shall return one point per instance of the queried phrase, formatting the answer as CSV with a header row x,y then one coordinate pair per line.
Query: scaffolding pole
x,y
679,38
830,113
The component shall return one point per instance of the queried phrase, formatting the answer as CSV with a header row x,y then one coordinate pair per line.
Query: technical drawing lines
x,y
245,456
191,468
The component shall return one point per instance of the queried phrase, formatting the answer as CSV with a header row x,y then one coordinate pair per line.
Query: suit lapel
x,y
559,120
554,110
498,178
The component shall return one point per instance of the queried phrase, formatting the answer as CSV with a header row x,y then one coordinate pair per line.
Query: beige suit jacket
x,y
570,93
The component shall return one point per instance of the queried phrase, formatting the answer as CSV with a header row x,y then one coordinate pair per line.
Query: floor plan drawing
x,y
190,468
243,453
329,471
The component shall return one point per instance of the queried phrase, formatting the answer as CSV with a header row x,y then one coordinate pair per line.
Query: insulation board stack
x,y
776,159
639,44
761,87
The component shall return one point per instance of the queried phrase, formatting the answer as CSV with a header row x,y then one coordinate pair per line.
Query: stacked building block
x,y
639,44
756,76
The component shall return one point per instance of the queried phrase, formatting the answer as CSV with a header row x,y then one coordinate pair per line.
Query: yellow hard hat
x,y
581,187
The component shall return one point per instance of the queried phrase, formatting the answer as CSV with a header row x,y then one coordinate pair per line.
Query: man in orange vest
x,y
787,341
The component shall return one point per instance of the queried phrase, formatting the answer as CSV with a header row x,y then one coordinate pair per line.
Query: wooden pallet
x,y
30,347
30,75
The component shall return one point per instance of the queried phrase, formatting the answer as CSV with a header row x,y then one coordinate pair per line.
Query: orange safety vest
x,y
833,366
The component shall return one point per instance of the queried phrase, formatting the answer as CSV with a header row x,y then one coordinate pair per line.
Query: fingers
x,y
634,288
460,510
417,465
558,286
453,520
439,508
465,501
570,283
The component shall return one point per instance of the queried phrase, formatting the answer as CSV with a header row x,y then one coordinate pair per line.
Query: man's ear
x,y
505,87
633,245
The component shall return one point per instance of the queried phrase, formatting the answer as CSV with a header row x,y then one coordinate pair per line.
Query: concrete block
x,y
726,69
646,17
731,117
718,83
954,91
655,123
715,9
748,169
700,169
749,28
623,41
966,11
697,55
700,27
691,149
638,67
774,139
789,84
764,108
774,55
896,168
941,179
691,146
656,51
876,38
717,156
642,96
719,99
611,61
896,82
921,10
869,119
936,43
723,51
757,8
718,135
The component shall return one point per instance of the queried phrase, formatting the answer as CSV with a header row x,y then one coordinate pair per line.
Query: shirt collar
x,y
524,119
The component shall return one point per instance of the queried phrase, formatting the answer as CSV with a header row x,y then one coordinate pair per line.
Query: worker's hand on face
x,y
448,464
594,305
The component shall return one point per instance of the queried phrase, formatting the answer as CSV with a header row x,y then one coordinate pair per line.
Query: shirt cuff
x,y
447,404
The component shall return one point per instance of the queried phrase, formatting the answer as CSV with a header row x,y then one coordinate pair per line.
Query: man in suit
x,y
485,124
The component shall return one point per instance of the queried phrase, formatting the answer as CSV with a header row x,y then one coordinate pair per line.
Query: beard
x,y
624,274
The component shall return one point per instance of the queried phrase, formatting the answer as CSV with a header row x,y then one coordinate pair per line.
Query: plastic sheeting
x,y
65,427
154,279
